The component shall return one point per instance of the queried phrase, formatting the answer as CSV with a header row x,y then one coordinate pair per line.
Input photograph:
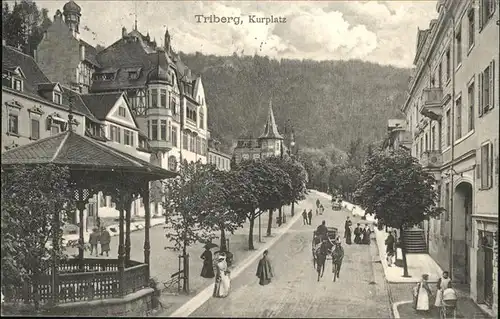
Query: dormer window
x,y
17,84
57,98
132,75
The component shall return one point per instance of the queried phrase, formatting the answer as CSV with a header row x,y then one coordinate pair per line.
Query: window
x,y
154,130
185,141
17,84
486,82
191,114
416,149
486,165
163,130
458,124
472,30
173,105
191,143
57,98
470,99
448,128
13,124
458,39
447,201
163,98
202,119
173,136
115,133
154,98
422,145
122,112
440,74
426,142
486,7
433,139
128,137
35,129
149,129
448,64
172,163
55,129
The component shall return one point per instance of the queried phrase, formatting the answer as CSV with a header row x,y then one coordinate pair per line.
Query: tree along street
x,y
294,291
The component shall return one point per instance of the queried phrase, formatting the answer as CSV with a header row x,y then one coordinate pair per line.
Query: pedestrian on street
x,y
357,234
310,215
264,270
222,279
321,209
93,241
304,217
347,231
105,240
366,235
389,242
208,267
442,284
422,294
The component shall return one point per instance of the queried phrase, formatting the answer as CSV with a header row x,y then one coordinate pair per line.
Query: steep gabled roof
x,y
100,104
271,130
80,152
78,103
12,58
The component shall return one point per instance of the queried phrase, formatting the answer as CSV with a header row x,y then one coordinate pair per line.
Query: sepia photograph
x,y
250,159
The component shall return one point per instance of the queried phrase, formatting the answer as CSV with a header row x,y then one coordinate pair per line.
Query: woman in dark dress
x,y
348,232
208,268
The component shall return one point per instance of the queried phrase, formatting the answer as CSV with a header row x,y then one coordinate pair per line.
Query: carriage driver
x,y
322,231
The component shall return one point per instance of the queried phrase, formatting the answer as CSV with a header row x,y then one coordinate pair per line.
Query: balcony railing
x,y
431,159
432,99
160,145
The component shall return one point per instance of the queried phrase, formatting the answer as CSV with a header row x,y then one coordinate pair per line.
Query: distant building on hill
x,y
269,143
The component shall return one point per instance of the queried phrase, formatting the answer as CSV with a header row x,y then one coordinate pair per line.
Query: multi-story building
x,y
218,158
35,108
452,115
269,143
167,101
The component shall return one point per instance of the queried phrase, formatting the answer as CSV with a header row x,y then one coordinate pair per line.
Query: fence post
x,y
186,273
179,274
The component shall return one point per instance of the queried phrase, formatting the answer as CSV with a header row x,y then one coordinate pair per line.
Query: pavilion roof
x,y
81,153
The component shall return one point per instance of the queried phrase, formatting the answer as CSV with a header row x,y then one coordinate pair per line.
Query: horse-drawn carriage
x,y
327,250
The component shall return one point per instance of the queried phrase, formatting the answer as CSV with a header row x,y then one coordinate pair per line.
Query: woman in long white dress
x,y
423,293
441,285
222,279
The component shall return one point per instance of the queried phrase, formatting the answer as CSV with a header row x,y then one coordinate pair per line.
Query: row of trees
x,y
334,171
204,201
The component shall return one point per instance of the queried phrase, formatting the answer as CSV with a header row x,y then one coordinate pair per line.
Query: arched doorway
x,y
462,232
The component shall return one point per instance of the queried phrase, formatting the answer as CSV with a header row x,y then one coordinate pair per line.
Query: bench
x,y
173,281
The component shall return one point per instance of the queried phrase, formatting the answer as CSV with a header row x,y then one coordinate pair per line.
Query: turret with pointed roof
x,y
271,130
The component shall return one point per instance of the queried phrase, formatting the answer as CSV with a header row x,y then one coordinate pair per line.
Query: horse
x,y
320,257
337,257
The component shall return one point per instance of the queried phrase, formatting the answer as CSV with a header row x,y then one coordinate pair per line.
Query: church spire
x,y
271,130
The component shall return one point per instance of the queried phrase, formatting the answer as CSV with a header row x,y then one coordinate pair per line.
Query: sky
x,y
376,31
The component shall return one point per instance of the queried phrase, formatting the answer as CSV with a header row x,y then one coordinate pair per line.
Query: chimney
x,y
124,32
82,52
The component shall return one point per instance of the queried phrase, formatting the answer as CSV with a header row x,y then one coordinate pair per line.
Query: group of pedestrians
x,y
102,237
307,217
390,244
445,294
361,234
220,270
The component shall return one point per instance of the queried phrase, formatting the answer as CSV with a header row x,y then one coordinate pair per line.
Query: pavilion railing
x,y
75,284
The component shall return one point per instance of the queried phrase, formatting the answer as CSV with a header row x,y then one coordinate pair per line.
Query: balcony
x,y
432,99
191,125
431,159
160,145
158,112
404,139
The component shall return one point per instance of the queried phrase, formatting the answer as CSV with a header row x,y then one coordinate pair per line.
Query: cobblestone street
x,y
295,292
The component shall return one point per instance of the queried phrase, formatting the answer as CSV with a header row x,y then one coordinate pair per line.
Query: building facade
x,y
168,111
452,117
269,143
216,157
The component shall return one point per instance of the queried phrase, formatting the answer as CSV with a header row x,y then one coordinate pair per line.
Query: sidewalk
x,y
418,264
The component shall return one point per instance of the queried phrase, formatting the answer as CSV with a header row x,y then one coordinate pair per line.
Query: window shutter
x,y
492,84
478,171
480,95
491,160
480,14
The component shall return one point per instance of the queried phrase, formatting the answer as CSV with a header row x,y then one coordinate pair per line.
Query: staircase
x,y
415,241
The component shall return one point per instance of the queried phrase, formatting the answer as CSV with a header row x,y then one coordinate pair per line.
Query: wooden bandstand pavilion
x,y
81,285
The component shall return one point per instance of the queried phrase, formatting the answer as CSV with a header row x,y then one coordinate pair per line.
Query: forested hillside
x,y
330,102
